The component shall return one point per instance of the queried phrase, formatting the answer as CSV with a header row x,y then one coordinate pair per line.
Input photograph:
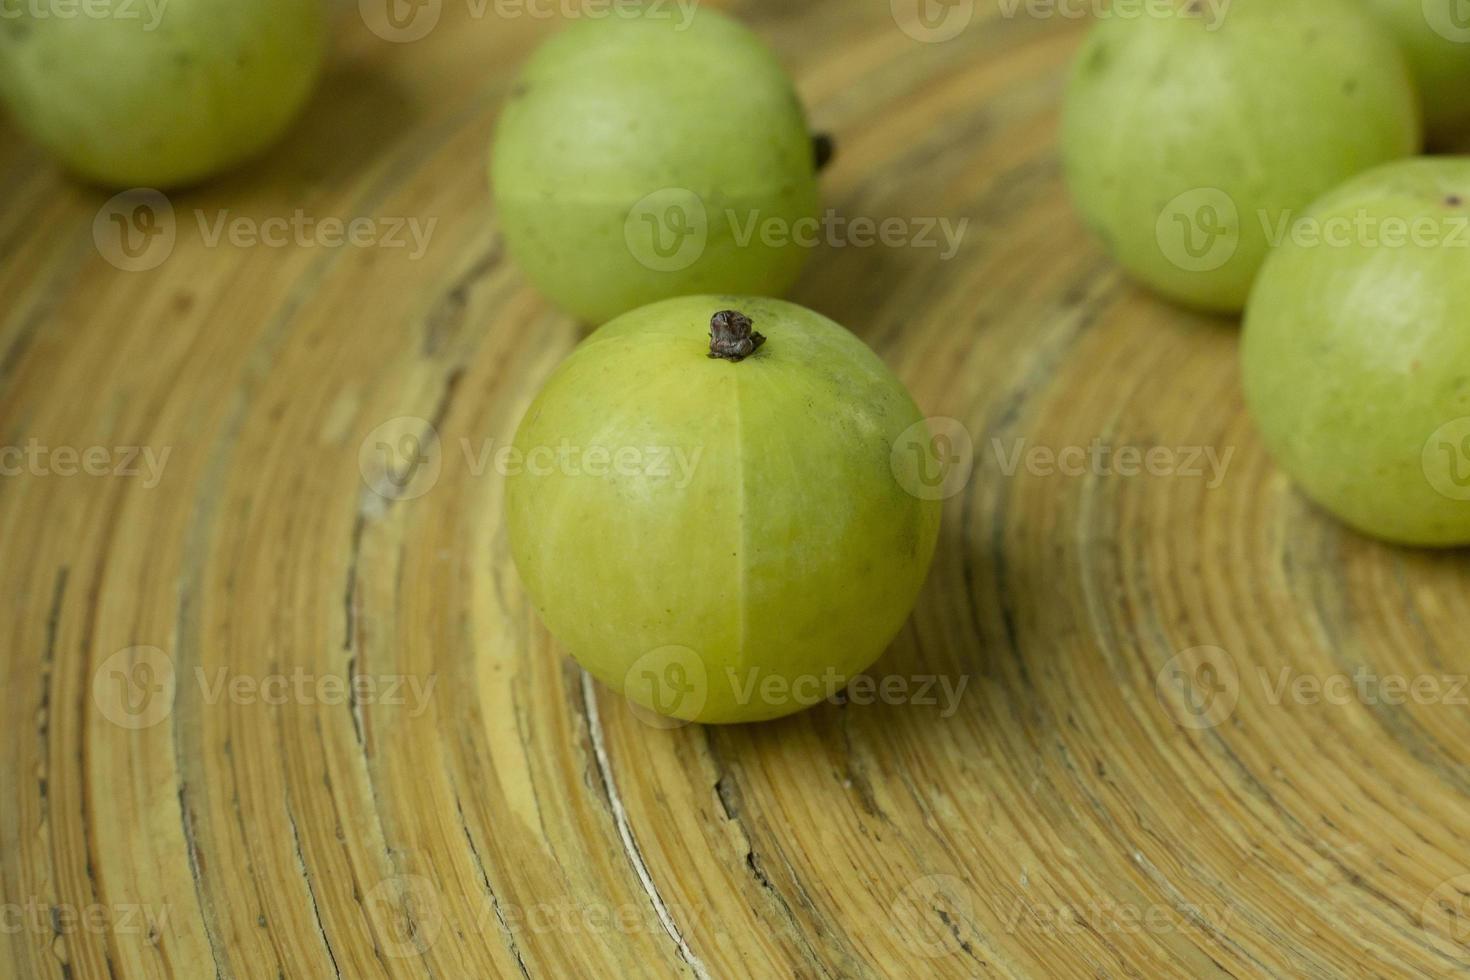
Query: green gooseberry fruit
x,y
1357,352
1435,34
644,157
715,508
136,94
1190,130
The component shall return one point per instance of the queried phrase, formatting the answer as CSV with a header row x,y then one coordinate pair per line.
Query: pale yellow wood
x,y
518,820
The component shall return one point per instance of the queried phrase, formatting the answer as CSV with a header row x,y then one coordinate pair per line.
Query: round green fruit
x,y
644,157
1357,353
1435,34
134,94
1189,131
714,507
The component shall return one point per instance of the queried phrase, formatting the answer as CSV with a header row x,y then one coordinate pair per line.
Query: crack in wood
x,y
506,931
43,720
446,319
316,913
625,830
728,793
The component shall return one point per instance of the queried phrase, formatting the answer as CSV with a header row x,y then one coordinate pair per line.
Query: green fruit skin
x,y
612,110
211,85
1355,356
1281,103
793,550
1440,58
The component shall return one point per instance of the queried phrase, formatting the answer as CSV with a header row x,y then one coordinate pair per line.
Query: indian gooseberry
x,y
1190,130
1357,356
644,157
715,507
1435,35
159,95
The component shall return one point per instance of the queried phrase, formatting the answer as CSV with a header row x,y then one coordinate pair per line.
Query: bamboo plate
x,y
1135,779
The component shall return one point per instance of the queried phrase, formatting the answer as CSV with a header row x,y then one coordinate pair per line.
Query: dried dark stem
x,y
731,336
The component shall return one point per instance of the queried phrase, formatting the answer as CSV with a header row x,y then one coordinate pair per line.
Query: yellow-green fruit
x,y
133,94
1191,130
644,157
1357,352
722,540
1435,34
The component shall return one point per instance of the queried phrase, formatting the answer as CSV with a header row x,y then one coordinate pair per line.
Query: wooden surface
x,y
1103,798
